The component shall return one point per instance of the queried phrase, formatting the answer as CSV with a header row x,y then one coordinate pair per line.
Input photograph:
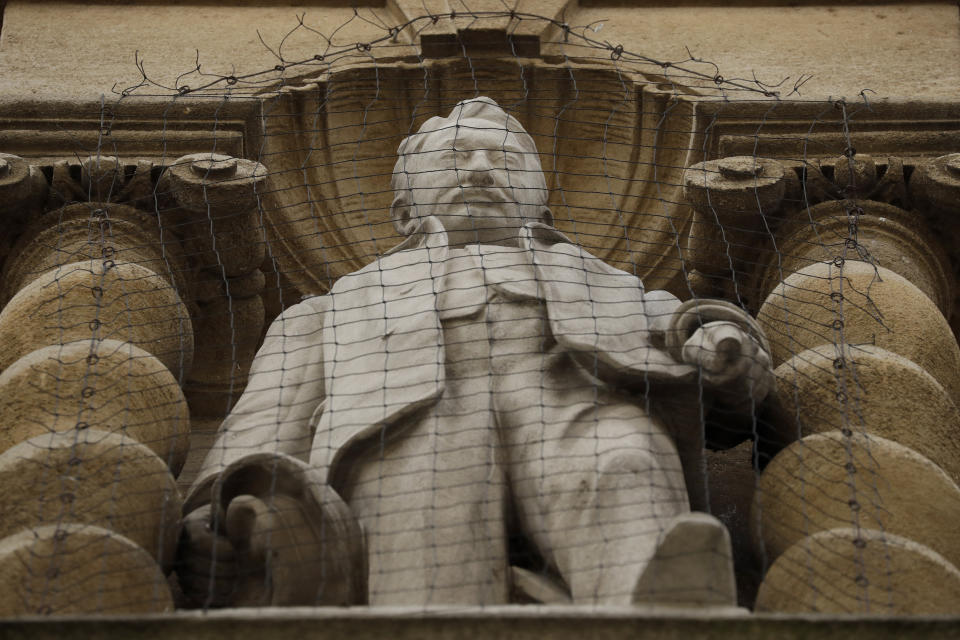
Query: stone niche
x,y
143,260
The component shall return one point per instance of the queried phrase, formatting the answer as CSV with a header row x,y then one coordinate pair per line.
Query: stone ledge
x,y
503,623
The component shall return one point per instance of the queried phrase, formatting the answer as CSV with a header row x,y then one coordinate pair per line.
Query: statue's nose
x,y
476,177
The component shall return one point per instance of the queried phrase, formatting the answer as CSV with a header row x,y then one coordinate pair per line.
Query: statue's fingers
x,y
732,371
199,540
207,570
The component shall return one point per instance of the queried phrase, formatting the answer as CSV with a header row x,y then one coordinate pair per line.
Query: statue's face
x,y
475,178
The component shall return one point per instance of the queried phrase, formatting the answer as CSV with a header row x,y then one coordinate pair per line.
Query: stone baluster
x,y
856,516
935,186
220,220
94,338
732,199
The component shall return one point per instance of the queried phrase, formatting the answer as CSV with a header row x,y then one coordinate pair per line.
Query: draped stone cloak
x,y
378,355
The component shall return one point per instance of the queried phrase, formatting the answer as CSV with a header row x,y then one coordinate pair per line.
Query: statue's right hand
x,y
207,562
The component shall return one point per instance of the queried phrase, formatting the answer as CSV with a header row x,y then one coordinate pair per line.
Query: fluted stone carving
x,y
853,288
97,339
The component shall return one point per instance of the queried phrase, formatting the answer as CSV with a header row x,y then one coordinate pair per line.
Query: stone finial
x,y
102,177
740,168
216,183
736,184
216,165
855,175
936,184
221,197
729,196
16,183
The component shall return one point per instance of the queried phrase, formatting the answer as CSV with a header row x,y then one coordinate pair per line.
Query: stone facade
x,y
150,239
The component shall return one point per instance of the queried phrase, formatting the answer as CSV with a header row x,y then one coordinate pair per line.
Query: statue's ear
x,y
402,215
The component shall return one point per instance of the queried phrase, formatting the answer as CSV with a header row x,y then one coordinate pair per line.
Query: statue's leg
x,y
431,495
596,482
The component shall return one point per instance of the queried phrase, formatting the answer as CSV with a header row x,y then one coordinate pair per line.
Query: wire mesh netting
x,y
478,309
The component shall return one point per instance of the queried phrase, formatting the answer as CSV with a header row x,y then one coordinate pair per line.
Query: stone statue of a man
x,y
485,381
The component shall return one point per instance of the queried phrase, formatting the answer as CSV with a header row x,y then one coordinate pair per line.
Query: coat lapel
x,y
383,346
599,313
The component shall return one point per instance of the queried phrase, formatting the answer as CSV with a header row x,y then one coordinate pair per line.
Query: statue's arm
x,y
659,307
727,346
270,424
284,389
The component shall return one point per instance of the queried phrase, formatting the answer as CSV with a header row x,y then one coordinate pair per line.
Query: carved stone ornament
x,y
97,343
852,270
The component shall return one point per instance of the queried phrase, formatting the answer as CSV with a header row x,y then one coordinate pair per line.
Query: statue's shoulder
x,y
300,320
552,248
308,305
382,271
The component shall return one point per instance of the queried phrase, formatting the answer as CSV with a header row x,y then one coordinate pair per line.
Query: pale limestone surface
x,y
108,385
894,238
887,395
78,569
75,301
856,304
462,367
860,571
828,481
93,478
63,236
894,50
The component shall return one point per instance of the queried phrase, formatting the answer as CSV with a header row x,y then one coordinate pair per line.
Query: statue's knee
x,y
640,472
626,469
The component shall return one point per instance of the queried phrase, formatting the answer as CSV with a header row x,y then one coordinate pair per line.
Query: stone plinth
x,y
476,623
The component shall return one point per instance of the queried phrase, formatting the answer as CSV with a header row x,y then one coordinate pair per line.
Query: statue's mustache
x,y
508,194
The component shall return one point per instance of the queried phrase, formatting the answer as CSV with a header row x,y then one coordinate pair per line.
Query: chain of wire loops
x,y
616,51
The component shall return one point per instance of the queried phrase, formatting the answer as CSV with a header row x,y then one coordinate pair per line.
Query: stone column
x,y
858,515
735,202
220,218
94,341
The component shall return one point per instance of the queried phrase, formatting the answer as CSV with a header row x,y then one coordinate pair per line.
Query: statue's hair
x,y
481,108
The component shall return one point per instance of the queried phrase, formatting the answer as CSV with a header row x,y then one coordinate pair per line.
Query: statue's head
x,y
476,170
